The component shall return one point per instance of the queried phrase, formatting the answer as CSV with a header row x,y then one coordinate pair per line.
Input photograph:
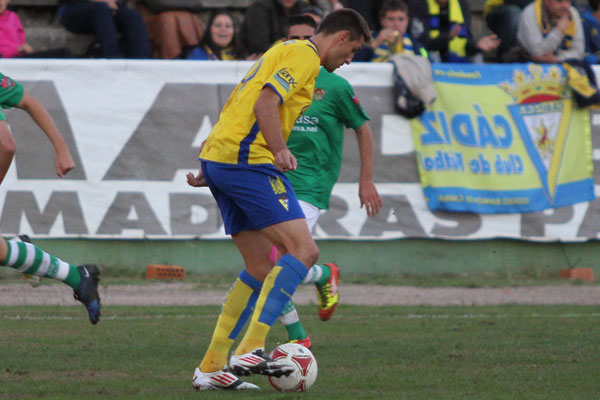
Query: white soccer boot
x,y
219,380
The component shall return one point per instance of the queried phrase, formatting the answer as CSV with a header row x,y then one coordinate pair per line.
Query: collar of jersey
x,y
312,46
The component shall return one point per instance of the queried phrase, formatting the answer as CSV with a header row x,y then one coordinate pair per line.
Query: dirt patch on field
x,y
189,294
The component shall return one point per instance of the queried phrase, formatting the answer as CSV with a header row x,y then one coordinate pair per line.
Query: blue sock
x,y
281,284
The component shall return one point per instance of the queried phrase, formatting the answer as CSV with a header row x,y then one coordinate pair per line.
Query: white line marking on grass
x,y
407,316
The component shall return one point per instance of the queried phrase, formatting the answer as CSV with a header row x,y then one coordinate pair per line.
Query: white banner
x,y
135,127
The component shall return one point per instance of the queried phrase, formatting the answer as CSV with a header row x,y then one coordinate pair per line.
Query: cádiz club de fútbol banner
x,y
504,139
135,127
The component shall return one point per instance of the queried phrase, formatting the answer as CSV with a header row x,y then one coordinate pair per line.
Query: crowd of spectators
x,y
543,31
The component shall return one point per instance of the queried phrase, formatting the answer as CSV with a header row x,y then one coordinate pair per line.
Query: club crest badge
x,y
542,114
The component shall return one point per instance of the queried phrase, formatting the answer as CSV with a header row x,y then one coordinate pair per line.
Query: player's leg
x,y
256,201
30,259
235,311
7,148
212,373
324,276
239,302
289,316
278,288
33,280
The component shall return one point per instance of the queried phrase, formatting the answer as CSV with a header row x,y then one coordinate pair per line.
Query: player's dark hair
x,y
207,40
393,5
300,19
345,19
594,4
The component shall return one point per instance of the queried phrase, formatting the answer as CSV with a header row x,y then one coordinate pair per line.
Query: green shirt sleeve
x,y
11,92
348,107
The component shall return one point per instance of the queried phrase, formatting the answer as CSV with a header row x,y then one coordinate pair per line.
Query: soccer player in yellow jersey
x,y
243,163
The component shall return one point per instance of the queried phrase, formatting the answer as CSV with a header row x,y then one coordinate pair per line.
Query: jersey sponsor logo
x,y
285,79
307,119
318,94
301,128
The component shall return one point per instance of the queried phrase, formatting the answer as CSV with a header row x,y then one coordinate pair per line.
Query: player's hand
x,y
64,163
285,160
369,198
196,180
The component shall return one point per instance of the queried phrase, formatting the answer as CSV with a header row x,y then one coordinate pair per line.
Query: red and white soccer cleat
x,y
258,362
219,380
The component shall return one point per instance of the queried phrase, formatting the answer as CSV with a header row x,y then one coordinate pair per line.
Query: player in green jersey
x,y
316,141
22,255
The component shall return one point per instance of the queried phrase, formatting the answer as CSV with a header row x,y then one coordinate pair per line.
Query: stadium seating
x,y
39,18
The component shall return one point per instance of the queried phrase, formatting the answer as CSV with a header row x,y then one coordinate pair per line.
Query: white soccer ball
x,y
306,368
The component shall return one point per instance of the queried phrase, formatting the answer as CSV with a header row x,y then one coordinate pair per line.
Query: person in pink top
x,y
13,41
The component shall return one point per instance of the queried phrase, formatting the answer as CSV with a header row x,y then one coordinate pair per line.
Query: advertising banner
x,y
503,139
135,128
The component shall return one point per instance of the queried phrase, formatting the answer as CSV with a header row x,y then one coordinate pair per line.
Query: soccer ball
x,y
306,368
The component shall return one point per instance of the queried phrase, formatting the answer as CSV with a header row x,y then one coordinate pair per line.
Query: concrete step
x,y
52,37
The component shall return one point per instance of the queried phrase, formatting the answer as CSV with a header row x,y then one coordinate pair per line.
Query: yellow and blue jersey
x,y
290,69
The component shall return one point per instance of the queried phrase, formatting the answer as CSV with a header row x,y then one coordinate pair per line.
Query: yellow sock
x,y
254,338
239,299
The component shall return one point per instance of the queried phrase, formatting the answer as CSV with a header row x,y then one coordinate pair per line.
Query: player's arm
x,y
367,192
63,162
266,110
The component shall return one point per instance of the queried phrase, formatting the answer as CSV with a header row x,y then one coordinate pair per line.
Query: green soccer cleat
x,y
328,294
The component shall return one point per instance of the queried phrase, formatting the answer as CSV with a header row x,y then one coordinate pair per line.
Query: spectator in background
x,y
551,31
591,28
265,23
393,38
502,17
13,41
313,11
171,32
444,28
107,19
369,9
220,40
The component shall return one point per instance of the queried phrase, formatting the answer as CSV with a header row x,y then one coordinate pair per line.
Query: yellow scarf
x,y
489,5
385,51
546,26
457,44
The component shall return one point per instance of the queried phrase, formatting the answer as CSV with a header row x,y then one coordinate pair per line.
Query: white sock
x,y
290,318
314,274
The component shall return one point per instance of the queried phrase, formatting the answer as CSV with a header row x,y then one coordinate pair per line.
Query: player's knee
x,y
311,255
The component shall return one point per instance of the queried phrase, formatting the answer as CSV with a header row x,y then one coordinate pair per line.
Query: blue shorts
x,y
251,197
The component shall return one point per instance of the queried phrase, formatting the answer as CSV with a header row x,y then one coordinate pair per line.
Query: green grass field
x,y
504,352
